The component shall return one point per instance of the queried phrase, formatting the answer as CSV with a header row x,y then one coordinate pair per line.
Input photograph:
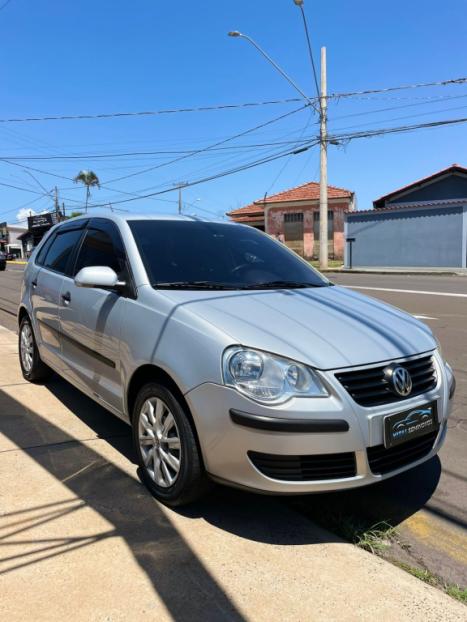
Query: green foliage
x,y
87,178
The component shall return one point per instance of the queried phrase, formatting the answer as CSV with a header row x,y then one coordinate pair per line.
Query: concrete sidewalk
x,y
417,271
83,540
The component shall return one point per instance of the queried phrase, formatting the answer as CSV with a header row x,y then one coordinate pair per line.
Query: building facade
x,y
423,224
10,242
292,216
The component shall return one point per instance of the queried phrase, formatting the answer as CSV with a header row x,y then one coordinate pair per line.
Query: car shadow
x,y
390,501
250,516
263,518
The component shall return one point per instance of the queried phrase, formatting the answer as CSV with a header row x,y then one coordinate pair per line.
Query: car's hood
x,y
326,327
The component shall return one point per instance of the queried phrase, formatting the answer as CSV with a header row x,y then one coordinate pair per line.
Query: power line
x,y
310,52
132,154
337,137
146,113
217,144
111,115
221,174
399,88
395,130
4,5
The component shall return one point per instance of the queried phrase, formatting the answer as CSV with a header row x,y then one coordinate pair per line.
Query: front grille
x,y
382,460
305,468
368,387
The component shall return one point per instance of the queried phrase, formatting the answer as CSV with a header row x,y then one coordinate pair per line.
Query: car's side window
x,y
60,250
102,247
43,251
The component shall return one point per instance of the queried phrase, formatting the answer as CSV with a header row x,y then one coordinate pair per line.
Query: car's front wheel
x,y
32,366
165,443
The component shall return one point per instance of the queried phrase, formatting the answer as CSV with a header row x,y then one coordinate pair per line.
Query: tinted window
x,y
60,251
99,249
43,251
220,255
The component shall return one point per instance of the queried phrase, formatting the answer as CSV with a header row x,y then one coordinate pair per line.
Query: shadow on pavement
x,y
250,516
263,518
391,501
182,582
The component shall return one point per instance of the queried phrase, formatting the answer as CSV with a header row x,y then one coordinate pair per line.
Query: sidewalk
x,y
418,271
82,539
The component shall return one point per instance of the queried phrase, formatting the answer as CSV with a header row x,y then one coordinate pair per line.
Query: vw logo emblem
x,y
399,380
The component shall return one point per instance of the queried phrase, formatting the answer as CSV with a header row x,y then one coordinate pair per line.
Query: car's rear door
x,y
52,263
90,318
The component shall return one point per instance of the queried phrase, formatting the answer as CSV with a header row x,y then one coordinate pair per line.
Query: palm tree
x,y
88,179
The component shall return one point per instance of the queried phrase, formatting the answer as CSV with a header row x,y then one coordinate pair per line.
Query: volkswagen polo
x,y
232,359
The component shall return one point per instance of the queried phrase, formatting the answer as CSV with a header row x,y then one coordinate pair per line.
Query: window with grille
x,y
297,217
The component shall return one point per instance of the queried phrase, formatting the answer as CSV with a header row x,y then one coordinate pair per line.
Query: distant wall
x,y
451,187
409,237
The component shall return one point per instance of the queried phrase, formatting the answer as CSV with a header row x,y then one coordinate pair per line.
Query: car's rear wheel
x,y
165,443
32,366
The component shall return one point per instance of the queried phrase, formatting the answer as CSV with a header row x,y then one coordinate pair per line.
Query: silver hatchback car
x,y
232,359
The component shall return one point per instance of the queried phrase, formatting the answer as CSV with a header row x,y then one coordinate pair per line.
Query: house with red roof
x,y
293,217
421,224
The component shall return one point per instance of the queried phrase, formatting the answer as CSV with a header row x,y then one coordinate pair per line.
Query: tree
x,y
88,179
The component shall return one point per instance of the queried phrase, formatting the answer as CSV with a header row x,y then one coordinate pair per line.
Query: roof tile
x,y
306,192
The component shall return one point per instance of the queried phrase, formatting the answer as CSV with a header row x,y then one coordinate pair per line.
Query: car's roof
x,y
131,217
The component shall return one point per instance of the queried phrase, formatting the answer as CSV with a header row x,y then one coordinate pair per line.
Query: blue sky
x,y
109,56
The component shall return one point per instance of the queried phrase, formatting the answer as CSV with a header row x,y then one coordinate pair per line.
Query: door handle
x,y
34,284
66,298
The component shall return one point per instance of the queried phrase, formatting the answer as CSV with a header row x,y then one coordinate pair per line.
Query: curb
x,y
398,272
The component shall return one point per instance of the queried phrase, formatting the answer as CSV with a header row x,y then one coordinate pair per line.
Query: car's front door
x,y
45,286
90,318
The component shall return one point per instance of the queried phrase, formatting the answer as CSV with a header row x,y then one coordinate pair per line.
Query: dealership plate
x,y
410,424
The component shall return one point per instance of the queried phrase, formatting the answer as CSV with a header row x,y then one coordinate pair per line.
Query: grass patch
x,y
453,590
457,592
333,264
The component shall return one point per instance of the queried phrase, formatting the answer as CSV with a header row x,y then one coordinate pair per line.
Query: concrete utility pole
x,y
323,178
180,204
56,203
180,185
322,96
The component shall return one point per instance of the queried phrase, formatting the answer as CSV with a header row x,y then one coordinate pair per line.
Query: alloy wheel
x,y
159,442
26,347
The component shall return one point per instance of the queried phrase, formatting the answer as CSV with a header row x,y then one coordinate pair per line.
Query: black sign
x,y
410,424
42,221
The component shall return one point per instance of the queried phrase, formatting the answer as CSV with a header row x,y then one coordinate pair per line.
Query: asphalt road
x,y
428,504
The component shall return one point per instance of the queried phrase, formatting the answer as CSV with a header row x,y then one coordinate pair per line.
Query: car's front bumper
x,y
230,426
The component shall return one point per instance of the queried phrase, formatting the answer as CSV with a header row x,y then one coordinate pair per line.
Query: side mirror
x,y
98,276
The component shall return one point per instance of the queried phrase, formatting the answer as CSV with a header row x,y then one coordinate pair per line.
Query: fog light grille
x,y
305,468
382,460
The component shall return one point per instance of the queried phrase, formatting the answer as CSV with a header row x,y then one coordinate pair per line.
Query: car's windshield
x,y
204,255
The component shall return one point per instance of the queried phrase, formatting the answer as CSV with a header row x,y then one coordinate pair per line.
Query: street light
x,y
237,34
322,110
323,139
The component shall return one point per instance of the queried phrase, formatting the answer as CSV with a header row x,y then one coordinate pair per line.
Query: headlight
x,y
268,378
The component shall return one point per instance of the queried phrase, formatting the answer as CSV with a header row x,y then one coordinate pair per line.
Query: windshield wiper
x,y
191,285
281,285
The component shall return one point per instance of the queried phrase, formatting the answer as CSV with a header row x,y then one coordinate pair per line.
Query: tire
x,y
158,414
32,366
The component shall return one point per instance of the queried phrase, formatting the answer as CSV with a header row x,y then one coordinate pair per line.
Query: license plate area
x,y
410,424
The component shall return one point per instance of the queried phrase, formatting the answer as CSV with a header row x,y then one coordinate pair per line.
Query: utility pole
x,y
323,178
56,203
180,185
63,209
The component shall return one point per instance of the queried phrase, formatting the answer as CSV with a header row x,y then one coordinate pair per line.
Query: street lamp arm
x,y
237,34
